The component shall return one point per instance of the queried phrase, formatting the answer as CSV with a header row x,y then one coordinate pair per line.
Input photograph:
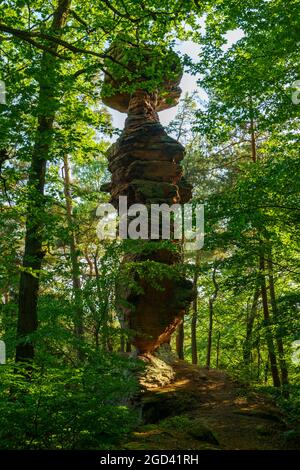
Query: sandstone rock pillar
x,y
145,166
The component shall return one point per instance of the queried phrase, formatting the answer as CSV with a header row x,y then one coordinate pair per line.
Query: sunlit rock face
x,y
145,166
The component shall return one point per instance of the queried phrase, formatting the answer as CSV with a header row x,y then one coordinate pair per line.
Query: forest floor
x,y
204,409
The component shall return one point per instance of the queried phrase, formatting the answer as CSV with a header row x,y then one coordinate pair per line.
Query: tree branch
x,y
118,13
28,35
81,21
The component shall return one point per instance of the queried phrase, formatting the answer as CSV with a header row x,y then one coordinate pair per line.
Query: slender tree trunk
x,y
89,262
96,328
211,315
125,345
122,344
96,337
33,252
195,312
258,359
76,281
253,139
180,328
282,362
270,343
180,341
194,331
210,330
93,267
104,317
266,371
218,349
249,327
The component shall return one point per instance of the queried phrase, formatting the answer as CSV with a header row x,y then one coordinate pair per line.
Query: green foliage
x,y
60,407
242,157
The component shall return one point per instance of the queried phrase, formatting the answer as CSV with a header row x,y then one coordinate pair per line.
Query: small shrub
x,y
67,408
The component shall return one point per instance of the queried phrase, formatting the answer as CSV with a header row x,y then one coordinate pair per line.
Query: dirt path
x,y
208,410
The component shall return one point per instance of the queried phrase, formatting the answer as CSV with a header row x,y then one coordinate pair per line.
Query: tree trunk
x,y
180,341
211,315
195,313
76,281
266,370
249,327
210,330
104,313
258,359
282,362
253,139
218,349
122,344
33,253
270,343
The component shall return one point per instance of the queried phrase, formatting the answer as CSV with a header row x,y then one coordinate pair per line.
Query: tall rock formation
x,y
145,167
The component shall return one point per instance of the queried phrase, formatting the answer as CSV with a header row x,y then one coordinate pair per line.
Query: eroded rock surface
x,y
145,167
